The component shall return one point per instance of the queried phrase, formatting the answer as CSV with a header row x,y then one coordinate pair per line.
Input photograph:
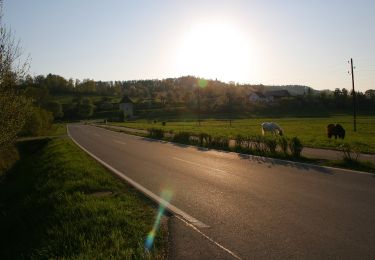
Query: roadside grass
x,y
57,202
364,166
310,130
57,129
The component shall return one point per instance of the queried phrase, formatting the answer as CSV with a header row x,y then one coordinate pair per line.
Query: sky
x,y
258,42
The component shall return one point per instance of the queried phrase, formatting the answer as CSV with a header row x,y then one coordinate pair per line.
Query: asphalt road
x,y
255,207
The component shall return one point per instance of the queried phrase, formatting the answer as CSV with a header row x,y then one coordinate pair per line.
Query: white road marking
x,y
148,193
119,142
209,239
200,165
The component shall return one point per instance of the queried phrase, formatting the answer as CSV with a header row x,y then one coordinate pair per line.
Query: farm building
x,y
255,97
277,94
127,107
268,96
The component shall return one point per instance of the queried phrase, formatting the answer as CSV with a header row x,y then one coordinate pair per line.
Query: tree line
x,y
178,95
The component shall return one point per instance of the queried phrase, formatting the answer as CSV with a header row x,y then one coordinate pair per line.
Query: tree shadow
x,y
21,223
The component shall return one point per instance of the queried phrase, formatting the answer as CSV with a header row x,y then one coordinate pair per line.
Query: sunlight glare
x,y
215,50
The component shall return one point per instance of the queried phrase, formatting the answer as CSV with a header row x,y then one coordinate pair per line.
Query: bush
x,y
270,144
155,133
38,123
350,154
220,142
283,142
239,139
257,141
85,108
55,108
106,106
163,123
204,139
295,147
182,137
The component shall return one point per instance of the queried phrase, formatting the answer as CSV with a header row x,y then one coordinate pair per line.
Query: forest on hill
x,y
75,99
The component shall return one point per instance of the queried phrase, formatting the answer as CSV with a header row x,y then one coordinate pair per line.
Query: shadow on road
x,y
270,162
276,162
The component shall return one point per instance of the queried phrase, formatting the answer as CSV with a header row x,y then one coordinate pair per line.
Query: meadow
x,y
310,130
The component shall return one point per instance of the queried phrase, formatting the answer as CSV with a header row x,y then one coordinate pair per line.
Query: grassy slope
x,y
312,131
49,208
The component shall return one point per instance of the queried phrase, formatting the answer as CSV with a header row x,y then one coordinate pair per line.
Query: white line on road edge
x,y
181,215
119,142
197,164
151,195
208,238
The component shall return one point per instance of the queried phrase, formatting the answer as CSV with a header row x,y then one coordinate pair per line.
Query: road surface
x,y
256,208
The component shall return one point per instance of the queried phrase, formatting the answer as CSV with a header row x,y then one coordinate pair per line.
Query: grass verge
x,y
57,202
364,166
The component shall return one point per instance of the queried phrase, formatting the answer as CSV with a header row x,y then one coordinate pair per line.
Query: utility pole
x,y
354,98
199,107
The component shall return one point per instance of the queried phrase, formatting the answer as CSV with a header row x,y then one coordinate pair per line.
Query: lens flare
x,y
166,196
202,83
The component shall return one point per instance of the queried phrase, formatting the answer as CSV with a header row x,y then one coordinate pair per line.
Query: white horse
x,y
271,127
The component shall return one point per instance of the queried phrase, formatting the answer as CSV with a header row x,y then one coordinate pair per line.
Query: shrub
x,y
163,123
55,108
85,108
155,133
270,144
38,123
295,147
257,142
204,139
239,139
221,142
350,154
182,137
106,106
283,142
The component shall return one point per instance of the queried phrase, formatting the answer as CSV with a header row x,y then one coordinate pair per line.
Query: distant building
x,y
255,97
268,96
277,94
127,107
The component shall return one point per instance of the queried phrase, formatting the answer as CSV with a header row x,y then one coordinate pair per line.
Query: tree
x,y
85,108
14,106
56,109
37,123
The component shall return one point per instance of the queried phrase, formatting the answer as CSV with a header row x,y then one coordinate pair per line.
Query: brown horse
x,y
336,131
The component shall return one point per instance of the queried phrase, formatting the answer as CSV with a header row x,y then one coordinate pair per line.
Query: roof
x,y
259,94
126,99
278,93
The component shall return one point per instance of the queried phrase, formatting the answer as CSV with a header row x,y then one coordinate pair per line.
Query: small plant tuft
x,y
155,133
295,147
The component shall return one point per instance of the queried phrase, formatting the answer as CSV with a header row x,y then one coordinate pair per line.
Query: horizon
x,y
255,42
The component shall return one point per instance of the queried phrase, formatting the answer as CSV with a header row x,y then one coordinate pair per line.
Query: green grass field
x,y
58,203
311,131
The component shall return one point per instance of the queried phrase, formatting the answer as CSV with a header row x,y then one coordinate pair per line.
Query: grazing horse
x,y
336,131
271,127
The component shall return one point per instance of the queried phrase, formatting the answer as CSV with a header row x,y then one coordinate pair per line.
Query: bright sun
x,y
215,50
